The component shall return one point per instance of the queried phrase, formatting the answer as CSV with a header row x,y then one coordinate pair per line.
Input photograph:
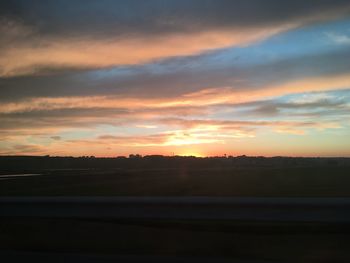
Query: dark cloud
x,y
231,124
323,107
140,81
26,148
64,118
89,117
156,139
33,28
98,18
68,112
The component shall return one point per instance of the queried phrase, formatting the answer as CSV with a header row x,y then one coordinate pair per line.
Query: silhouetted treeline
x,y
160,162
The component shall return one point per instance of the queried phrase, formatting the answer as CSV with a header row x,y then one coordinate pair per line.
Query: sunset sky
x,y
204,78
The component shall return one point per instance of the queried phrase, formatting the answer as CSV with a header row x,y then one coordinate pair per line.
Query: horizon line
x,y
139,156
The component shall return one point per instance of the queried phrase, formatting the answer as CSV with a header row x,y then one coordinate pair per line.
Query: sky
x,y
185,77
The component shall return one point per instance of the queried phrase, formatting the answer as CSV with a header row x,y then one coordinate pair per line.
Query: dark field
x,y
210,241
145,240
246,181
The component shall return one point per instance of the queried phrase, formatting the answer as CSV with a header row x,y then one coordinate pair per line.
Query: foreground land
x,y
160,229
58,233
175,176
170,241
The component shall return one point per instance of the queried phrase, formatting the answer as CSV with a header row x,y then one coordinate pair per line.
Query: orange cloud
x,y
206,97
28,55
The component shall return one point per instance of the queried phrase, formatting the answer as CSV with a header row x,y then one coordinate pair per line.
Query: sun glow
x,y
188,137
191,153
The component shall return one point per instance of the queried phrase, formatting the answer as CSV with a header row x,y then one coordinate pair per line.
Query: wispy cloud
x,y
339,38
106,33
40,55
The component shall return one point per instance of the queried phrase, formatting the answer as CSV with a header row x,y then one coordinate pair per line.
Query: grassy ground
x,y
274,182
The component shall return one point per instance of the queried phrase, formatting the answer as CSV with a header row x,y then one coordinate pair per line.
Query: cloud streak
x,y
89,34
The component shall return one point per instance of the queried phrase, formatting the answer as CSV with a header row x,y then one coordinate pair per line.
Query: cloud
x,y
339,38
51,116
197,132
307,73
91,53
239,124
22,149
193,136
267,108
171,138
193,103
161,17
37,124
88,34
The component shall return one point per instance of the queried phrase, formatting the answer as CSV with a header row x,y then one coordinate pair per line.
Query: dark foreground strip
x,y
322,210
22,256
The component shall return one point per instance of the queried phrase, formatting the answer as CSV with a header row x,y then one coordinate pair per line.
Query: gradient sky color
x,y
185,77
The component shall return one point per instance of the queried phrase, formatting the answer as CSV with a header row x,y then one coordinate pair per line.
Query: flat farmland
x,y
245,181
